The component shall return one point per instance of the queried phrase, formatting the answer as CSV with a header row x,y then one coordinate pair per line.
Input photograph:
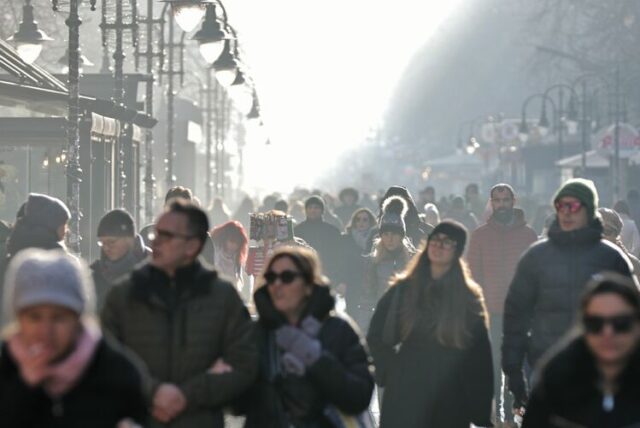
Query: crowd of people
x,y
456,311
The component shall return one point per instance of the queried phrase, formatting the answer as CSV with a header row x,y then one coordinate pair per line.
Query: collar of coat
x,y
586,235
193,280
320,304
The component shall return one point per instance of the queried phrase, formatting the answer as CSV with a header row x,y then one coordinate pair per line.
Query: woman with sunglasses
x,y
430,343
313,366
593,379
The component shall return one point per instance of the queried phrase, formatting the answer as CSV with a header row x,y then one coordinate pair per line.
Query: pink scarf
x,y
59,378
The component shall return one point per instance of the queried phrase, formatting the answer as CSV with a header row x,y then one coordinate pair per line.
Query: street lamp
x,y
29,38
211,36
83,61
543,123
188,13
226,66
73,170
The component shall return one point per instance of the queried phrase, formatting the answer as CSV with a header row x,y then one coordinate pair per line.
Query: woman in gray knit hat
x,y
56,369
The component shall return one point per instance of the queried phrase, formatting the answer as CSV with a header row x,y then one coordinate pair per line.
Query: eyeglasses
x,y
594,324
165,235
286,276
572,207
445,243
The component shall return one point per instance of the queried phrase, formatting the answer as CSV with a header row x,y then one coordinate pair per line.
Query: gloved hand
x,y
298,343
292,365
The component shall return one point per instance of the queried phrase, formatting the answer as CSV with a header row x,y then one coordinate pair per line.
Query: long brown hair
x,y
462,300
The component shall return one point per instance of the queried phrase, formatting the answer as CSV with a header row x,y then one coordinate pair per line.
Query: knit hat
x,y
116,223
611,221
392,220
314,200
583,190
38,276
454,231
46,211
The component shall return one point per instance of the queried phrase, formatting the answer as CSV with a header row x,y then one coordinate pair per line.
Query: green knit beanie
x,y
583,190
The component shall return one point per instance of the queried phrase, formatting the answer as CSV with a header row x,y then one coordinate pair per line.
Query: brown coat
x,y
494,251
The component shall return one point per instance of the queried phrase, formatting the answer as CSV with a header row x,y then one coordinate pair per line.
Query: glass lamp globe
x,y
210,51
29,52
242,98
226,77
188,15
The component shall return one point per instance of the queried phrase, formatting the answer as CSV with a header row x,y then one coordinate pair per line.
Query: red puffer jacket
x,y
494,251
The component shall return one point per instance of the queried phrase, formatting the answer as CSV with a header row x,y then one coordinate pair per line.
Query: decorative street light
x,y
188,13
226,66
211,36
74,172
29,38
83,61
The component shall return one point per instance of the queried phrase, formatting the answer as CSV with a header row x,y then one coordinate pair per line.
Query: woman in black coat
x,y
593,379
56,369
429,341
313,366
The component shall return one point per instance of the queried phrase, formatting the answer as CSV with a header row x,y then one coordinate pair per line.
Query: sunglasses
x,y
286,276
572,207
445,243
594,324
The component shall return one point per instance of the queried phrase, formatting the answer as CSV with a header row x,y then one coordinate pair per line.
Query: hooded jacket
x,y
545,292
340,378
494,251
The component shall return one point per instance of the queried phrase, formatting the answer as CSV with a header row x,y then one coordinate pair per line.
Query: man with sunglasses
x,y
189,327
494,251
544,295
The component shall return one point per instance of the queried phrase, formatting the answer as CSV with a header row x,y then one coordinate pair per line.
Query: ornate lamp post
x,y
29,39
74,172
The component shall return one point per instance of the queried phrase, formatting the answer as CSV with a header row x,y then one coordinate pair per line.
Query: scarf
x,y
57,379
361,237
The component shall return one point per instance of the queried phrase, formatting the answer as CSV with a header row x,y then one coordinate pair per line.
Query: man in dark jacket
x,y
544,295
189,327
323,237
121,251
494,251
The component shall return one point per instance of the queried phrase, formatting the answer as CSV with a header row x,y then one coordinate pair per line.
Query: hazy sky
x,y
325,71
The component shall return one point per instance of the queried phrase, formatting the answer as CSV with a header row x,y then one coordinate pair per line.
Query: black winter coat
x,y
428,384
341,377
545,292
109,391
567,394
325,239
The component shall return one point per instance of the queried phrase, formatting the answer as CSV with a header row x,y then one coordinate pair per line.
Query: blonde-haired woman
x,y
56,369
313,366
429,341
